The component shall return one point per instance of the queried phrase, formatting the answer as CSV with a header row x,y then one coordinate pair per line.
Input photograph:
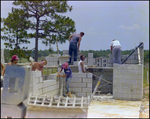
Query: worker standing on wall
x,y
81,67
116,51
74,44
68,75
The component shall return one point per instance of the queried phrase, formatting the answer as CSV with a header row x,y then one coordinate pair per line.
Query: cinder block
x,y
90,61
53,76
90,55
140,82
137,76
89,90
55,59
81,75
117,96
88,75
88,94
122,81
117,76
73,85
75,63
80,94
127,96
51,59
127,85
75,80
115,91
89,85
41,79
127,76
137,86
74,75
115,80
76,89
117,86
81,85
137,97
86,80
132,81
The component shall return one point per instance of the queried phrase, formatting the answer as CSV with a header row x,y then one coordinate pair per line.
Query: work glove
x,y
2,77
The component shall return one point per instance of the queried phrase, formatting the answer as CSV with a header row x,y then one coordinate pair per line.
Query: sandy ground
x,y
106,107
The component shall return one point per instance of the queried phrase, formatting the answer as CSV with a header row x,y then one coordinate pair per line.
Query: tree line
x,y
96,53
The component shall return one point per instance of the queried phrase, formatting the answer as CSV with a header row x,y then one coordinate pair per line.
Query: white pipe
x,y
139,56
147,78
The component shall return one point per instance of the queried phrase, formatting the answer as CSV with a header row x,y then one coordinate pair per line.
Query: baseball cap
x,y
65,65
15,57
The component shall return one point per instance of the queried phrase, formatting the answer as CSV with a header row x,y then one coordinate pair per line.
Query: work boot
x,y
69,94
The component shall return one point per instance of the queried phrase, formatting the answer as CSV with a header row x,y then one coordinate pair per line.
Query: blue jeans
x,y
73,48
117,55
67,83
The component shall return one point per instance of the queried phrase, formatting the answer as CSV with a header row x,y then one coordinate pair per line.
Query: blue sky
x,y
103,21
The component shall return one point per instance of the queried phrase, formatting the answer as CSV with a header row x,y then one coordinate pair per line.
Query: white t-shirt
x,y
79,67
115,43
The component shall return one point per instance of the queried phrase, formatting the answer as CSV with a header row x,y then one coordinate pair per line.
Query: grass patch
x,y
145,77
48,71
145,84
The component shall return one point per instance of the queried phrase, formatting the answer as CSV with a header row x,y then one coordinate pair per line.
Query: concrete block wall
x,y
52,60
128,81
2,56
81,84
49,87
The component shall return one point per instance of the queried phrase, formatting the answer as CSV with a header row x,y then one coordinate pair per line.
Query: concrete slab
x,y
106,107
16,84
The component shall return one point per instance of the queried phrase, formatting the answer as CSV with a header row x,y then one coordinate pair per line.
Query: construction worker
x,y
68,75
2,74
38,66
74,44
116,51
81,64
14,61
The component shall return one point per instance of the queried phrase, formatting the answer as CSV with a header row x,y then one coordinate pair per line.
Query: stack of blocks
x,y
128,81
38,86
90,59
52,60
81,84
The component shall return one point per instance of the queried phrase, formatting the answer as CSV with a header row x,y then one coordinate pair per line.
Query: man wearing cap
x,y
14,60
68,75
38,65
74,44
116,51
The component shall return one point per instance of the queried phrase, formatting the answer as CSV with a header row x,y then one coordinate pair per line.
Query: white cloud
x,y
133,27
91,31
104,33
